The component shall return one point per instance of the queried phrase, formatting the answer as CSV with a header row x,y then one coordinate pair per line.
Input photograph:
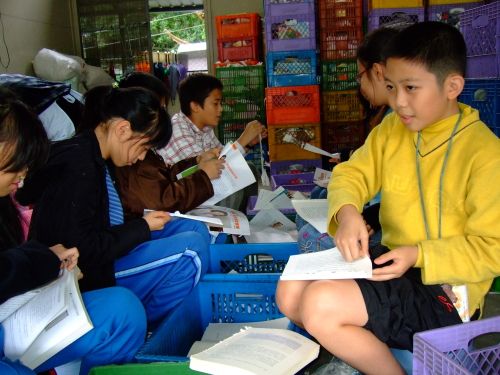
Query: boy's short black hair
x,y
147,81
438,46
196,88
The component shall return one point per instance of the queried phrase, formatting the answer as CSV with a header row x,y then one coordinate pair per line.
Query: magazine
x,y
233,221
322,177
271,226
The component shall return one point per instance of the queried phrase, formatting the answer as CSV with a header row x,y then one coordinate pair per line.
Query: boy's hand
x,y
68,257
157,220
350,233
250,136
402,258
213,167
213,153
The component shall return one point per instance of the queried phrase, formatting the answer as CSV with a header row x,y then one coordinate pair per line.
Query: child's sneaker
x,y
336,367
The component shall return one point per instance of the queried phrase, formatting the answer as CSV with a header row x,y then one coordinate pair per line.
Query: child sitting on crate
x,y
438,167
150,184
200,96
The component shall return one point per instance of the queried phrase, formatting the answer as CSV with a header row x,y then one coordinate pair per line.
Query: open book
x,y
314,211
47,323
326,265
257,351
235,176
231,221
270,225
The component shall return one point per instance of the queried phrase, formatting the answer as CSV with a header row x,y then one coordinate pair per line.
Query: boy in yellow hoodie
x,y
438,167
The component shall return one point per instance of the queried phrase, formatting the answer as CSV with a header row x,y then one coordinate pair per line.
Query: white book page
x,y
258,351
314,211
26,324
264,199
216,332
14,303
235,176
326,265
233,221
279,199
271,226
71,324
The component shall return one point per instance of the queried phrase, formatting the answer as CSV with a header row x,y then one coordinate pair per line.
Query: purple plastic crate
x,y
397,18
291,32
449,13
252,212
481,29
277,167
448,351
284,180
274,8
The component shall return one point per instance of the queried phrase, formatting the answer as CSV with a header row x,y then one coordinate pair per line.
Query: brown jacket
x,y
150,184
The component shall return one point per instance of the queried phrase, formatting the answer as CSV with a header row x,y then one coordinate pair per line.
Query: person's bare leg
x,y
288,295
334,312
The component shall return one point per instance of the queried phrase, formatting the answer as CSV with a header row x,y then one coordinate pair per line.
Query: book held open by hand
x,y
326,265
257,351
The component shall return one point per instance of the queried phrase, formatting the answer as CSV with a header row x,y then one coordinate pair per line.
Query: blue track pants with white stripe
x,y
163,271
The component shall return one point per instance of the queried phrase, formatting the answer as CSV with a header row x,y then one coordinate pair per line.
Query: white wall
x,y
30,25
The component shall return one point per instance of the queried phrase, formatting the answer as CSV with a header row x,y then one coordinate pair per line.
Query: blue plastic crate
x,y
216,299
250,258
484,95
293,68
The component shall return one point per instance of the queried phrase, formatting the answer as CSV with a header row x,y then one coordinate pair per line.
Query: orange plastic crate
x,y
292,104
335,136
238,49
340,43
236,25
306,132
341,106
333,13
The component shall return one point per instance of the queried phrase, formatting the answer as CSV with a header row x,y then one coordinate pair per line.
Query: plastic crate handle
x,y
241,297
258,258
480,21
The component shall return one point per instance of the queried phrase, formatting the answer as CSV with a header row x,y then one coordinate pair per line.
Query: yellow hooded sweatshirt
x,y
468,251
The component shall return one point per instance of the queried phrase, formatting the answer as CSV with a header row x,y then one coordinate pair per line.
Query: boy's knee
x,y
284,298
126,306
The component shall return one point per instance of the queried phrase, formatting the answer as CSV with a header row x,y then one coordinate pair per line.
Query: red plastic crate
x,y
341,106
340,43
236,25
238,49
280,150
292,104
338,135
333,13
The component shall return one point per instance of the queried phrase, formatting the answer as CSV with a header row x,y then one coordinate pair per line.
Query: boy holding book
x,y
200,95
434,161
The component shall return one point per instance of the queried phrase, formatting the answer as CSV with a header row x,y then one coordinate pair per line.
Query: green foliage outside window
x,y
168,29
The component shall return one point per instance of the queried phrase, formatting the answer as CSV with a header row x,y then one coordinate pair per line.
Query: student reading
x,y
150,184
438,167
76,204
200,95
117,333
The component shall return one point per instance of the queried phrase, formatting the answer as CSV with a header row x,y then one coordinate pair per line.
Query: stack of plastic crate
x,y
242,101
238,37
341,32
449,11
394,13
292,96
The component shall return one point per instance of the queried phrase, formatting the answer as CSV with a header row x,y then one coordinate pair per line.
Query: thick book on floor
x,y
47,323
257,351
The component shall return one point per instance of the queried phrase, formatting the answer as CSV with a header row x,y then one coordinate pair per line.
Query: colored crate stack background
x,y
341,32
448,11
292,95
394,13
238,37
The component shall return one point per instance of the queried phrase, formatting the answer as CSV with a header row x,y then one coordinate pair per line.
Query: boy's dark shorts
x,y
401,307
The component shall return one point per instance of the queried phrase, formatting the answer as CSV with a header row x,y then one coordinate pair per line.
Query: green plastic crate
x,y
242,79
165,368
339,75
495,287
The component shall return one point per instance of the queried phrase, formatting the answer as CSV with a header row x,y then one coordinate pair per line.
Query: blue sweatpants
x,y
119,331
163,271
